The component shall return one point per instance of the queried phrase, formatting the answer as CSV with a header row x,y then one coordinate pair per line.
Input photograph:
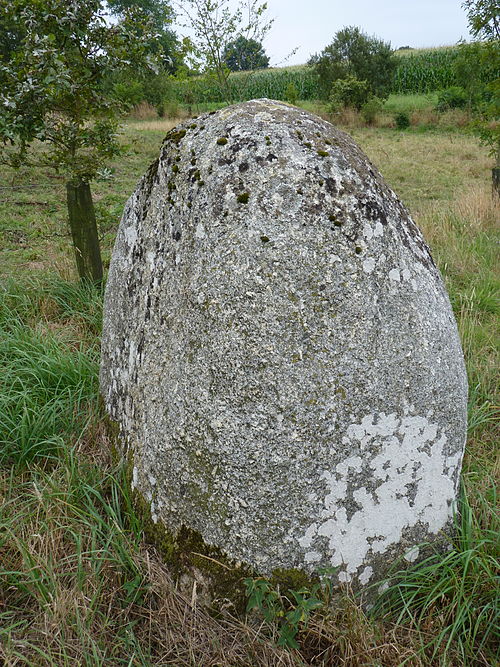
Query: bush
x,y
371,108
349,92
171,109
402,120
130,93
353,53
291,93
454,97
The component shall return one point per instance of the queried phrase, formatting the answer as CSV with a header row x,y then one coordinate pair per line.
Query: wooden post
x,y
83,228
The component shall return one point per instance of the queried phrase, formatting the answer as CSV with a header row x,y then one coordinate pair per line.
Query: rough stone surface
x,y
279,349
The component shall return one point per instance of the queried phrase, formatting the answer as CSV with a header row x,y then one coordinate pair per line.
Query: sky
x,y
309,25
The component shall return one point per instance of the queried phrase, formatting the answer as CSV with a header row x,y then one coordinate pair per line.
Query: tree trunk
x,y
84,231
495,175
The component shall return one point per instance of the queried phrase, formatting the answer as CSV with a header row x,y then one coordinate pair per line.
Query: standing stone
x,y
279,350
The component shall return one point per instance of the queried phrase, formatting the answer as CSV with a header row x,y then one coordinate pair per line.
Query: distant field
x,y
418,71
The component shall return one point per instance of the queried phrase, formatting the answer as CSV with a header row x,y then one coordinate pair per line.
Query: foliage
x,y
291,93
349,92
55,84
159,13
130,93
484,18
429,70
484,23
353,53
12,33
271,83
245,54
424,71
215,27
402,120
459,587
371,108
454,97
56,90
293,615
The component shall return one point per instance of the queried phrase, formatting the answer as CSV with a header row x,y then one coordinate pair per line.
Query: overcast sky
x,y
311,24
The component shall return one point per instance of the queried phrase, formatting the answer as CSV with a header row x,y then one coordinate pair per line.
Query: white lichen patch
x,y
412,554
369,265
409,481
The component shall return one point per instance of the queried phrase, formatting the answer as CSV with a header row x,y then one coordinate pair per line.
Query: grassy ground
x,y
77,582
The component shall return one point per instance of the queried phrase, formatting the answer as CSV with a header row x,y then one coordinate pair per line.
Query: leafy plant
x,y
291,93
352,53
371,108
402,120
454,97
292,615
349,92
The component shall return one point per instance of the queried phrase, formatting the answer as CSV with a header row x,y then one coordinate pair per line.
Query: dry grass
x,y
144,111
157,125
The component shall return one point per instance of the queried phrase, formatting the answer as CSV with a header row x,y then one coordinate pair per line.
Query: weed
x,y
293,615
402,120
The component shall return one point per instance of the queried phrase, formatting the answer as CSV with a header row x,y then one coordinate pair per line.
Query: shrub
x,y
371,108
402,120
291,93
353,53
454,97
349,92
130,93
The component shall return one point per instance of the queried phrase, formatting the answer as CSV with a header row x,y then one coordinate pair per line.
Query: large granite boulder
x,y
279,350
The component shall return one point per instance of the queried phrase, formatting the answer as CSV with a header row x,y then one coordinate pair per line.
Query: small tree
x,y
484,23
215,26
165,45
245,54
353,53
55,90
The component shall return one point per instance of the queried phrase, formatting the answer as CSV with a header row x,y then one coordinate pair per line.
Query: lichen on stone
x,y
280,353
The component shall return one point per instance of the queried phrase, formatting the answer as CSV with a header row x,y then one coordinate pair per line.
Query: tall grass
x,y
48,385
451,599
425,71
417,71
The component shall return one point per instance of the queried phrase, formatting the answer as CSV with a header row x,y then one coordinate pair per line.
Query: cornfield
x,y
272,83
425,71
421,71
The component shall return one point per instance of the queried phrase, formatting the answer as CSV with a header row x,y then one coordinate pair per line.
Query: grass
x,y
451,599
410,102
78,584
48,380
